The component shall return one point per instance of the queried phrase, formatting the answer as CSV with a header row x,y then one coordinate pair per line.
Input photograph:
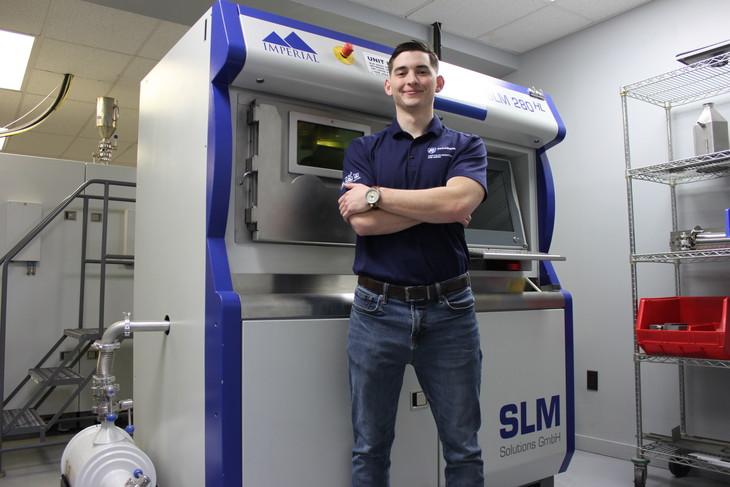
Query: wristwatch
x,y
372,196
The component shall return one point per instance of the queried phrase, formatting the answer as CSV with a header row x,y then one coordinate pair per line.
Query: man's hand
x,y
353,201
466,221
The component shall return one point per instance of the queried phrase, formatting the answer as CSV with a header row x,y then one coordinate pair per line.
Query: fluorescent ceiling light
x,y
3,139
14,60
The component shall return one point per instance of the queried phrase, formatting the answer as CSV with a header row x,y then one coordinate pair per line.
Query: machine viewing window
x,y
498,222
317,144
495,214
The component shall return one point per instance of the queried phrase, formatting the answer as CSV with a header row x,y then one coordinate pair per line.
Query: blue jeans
x,y
441,340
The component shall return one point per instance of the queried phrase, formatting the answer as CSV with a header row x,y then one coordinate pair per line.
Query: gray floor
x,y
40,468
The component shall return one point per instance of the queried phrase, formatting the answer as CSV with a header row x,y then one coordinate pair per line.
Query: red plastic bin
x,y
706,334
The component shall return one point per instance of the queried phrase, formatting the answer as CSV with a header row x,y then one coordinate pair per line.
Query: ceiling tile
x,y
43,82
81,149
126,93
89,131
86,62
162,40
24,16
102,27
128,157
400,8
599,10
472,18
9,102
535,29
138,69
68,119
35,143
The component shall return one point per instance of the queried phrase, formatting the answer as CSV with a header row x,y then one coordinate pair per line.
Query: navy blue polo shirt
x,y
425,253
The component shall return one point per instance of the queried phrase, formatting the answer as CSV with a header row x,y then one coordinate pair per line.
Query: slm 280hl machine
x,y
243,125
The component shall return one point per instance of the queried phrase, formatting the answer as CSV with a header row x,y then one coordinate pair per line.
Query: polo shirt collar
x,y
435,127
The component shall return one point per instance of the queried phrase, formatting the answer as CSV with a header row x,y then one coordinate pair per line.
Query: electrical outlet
x,y
92,354
592,380
64,355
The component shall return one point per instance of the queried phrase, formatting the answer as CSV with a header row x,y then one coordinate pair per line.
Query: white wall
x,y
40,306
584,73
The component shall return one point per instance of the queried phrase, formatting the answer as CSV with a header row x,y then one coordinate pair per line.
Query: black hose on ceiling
x,y
62,92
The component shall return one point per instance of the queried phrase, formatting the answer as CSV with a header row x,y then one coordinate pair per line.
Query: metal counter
x,y
299,296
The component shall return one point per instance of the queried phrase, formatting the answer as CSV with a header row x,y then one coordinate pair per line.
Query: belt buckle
x,y
419,296
406,293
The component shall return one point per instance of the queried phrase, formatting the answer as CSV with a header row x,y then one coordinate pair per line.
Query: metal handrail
x,y
32,234
56,211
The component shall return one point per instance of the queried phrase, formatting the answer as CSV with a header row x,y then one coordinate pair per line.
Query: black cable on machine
x,y
437,38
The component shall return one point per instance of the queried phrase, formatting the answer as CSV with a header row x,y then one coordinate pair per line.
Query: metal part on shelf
x,y
706,78
684,256
697,168
691,361
699,238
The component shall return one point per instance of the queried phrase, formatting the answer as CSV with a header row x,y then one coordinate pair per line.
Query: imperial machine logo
x,y
292,46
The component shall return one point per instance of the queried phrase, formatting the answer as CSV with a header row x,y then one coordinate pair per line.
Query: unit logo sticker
x,y
291,46
377,65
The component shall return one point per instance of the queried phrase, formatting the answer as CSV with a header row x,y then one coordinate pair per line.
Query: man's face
x,y
413,83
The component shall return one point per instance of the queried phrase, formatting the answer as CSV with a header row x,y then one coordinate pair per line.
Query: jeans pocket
x,y
367,301
460,300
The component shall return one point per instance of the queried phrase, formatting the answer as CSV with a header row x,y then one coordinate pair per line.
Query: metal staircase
x,y
46,375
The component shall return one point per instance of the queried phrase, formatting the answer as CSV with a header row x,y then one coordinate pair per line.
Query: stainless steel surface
x,y
689,361
688,170
698,238
65,375
710,132
688,256
678,450
500,254
273,204
107,114
703,79
267,296
700,80
104,388
634,290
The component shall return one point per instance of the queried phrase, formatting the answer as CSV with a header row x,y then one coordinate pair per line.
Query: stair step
x,y
82,333
28,422
65,376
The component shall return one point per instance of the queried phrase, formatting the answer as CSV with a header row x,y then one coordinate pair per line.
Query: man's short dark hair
x,y
414,46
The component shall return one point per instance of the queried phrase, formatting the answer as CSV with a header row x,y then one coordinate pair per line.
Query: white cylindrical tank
x,y
104,455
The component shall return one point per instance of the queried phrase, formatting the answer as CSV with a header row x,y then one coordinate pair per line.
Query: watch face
x,y
372,196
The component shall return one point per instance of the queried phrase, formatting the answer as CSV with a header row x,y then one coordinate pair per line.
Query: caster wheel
x,y
679,470
639,476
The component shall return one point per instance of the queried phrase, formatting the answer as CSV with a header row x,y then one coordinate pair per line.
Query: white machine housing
x,y
255,372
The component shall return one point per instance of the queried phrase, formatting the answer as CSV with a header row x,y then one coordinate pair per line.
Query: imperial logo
x,y
291,46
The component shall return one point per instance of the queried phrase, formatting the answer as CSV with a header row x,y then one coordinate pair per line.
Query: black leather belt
x,y
429,292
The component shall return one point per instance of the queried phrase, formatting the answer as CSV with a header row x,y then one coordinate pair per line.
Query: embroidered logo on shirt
x,y
352,177
439,152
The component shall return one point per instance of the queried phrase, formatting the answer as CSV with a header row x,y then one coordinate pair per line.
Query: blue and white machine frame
x,y
245,254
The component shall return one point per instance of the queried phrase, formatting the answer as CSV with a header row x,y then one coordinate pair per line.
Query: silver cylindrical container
x,y
710,131
107,113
